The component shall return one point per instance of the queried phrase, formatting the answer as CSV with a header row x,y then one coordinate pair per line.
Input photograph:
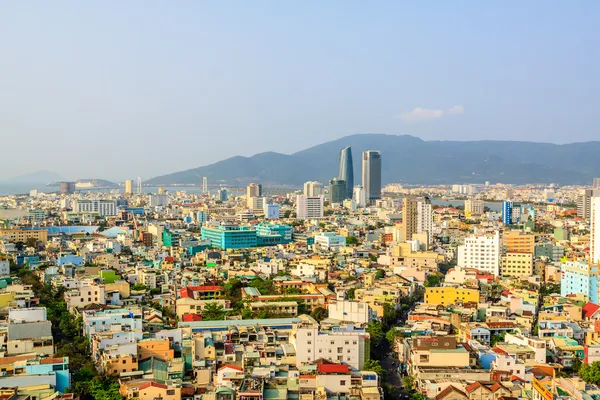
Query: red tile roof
x,y
153,384
191,317
188,291
333,368
449,390
232,367
589,309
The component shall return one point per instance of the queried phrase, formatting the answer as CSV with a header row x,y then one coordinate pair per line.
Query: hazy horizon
x,y
115,90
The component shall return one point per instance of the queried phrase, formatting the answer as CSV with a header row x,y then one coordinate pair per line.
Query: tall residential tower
x,y
371,175
346,171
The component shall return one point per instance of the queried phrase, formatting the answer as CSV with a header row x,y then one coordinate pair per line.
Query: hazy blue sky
x,y
116,89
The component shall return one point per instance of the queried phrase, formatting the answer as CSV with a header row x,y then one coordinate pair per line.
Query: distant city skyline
x,y
172,87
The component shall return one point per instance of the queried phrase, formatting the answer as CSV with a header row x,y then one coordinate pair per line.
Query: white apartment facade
x,y
313,189
87,294
105,208
345,345
425,219
159,200
595,230
352,311
481,252
308,207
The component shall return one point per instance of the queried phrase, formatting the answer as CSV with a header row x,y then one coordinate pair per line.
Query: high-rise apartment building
x,y
425,219
313,189
159,200
595,230
223,194
337,191
253,190
371,175
511,212
596,183
67,187
474,207
518,242
417,217
309,207
105,208
584,203
409,218
346,170
256,203
139,184
129,186
481,252
360,196
579,277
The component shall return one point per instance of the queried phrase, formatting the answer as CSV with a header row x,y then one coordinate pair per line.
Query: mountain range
x,y
408,159
36,177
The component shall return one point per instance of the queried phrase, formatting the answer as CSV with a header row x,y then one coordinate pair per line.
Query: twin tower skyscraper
x,y
371,173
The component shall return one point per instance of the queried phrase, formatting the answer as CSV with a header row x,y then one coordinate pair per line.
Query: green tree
x,y
497,338
408,382
233,289
590,373
418,396
319,314
380,274
351,293
138,286
375,366
433,280
213,311
390,314
576,366
351,240
293,291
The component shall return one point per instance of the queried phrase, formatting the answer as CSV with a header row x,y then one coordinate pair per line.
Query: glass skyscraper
x,y
346,172
371,174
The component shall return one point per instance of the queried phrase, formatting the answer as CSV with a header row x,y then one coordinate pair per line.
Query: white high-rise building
x,y
474,207
256,203
313,189
104,208
481,252
159,200
308,207
129,186
595,230
271,210
425,219
360,196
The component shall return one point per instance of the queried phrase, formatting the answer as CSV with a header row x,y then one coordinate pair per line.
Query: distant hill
x,y
36,177
408,159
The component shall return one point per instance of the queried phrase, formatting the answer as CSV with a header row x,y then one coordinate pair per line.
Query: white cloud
x,y
456,110
426,114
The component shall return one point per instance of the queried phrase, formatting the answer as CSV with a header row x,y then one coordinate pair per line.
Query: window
x,y
171,392
342,383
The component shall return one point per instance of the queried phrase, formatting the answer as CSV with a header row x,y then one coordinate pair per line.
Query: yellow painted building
x,y
21,235
119,364
122,287
6,298
450,295
149,390
155,348
517,265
